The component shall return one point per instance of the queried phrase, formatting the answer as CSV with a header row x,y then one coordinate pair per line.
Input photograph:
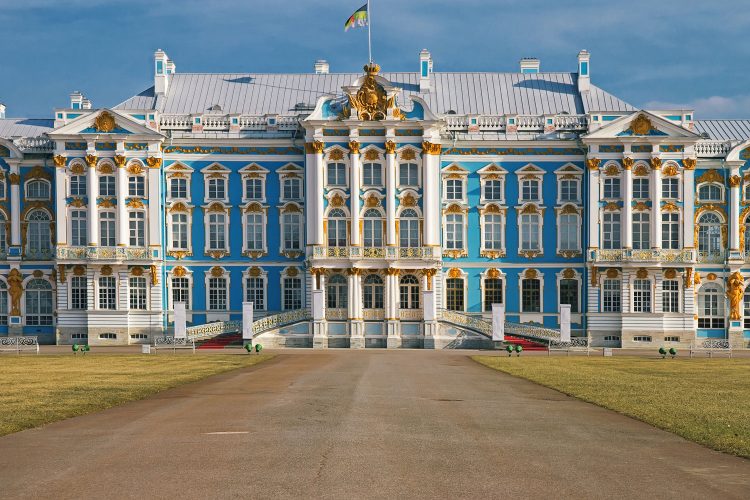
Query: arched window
x,y
337,228
3,303
409,296
38,303
38,232
373,292
454,294
336,292
709,234
493,292
373,229
409,229
37,190
710,192
710,306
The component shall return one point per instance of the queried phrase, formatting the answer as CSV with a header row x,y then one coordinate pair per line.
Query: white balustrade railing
x,y
213,329
646,255
34,144
107,253
478,325
390,253
712,148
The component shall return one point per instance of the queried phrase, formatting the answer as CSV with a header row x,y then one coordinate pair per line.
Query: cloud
x,y
710,107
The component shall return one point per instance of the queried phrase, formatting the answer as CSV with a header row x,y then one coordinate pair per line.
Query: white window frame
x,y
189,230
284,276
578,232
698,188
263,223
487,308
644,307
483,230
189,277
300,230
207,231
42,182
263,277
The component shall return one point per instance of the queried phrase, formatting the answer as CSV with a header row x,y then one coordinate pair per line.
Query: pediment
x,y
253,168
642,124
104,122
492,169
569,169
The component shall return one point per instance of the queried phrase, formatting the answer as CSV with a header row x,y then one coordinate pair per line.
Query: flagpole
x,y
369,32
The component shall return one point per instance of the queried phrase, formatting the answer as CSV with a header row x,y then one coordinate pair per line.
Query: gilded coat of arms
x,y
105,122
371,100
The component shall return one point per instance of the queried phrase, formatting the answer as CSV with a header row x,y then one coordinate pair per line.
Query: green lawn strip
x,y
38,390
703,400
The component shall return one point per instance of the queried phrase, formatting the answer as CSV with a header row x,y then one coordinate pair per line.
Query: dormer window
x,y
710,192
178,188
611,188
217,189
530,190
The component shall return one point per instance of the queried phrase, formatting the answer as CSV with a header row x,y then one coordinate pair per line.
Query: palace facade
x,y
372,205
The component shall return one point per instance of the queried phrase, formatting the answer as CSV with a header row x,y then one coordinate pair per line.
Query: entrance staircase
x,y
221,341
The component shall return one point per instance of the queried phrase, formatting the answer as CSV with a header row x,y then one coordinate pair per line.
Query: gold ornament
x,y
59,160
79,271
612,273
408,154
493,273
569,274
106,270
390,147
137,271
354,147
531,274
336,155
61,272
105,122
179,272
641,125
120,160
641,274
593,163
371,101
735,292
15,286
217,272
627,163
154,276
91,160
689,163
670,274
655,163
315,147
431,148
454,273
735,181
153,162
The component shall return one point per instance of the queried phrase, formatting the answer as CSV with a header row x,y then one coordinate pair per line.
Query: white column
x,y
15,206
656,207
311,199
355,178
688,197
61,228
391,295
92,188
319,236
122,210
627,226
734,208
429,302
154,204
431,209
390,193
352,296
595,212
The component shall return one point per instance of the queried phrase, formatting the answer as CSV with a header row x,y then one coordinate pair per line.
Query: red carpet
x,y
222,341
527,345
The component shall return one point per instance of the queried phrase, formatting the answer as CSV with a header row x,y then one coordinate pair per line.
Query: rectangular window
x,y
670,188
454,294
569,294
611,296
569,232
531,296
217,189
372,174
292,294
641,230
78,225
179,232
178,188
569,190
254,224
181,291
217,294
78,293
454,232
670,296
137,229
642,296
292,231
408,175
138,291
107,229
254,189
493,232
255,291
493,292
530,229
454,189
611,188
493,190
77,185
107,293
641,188
337,174
292,189
530,190
670,231
217,232
137,186
611,231
107,185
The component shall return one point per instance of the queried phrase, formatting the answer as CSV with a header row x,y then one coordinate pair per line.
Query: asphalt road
x,y
370,424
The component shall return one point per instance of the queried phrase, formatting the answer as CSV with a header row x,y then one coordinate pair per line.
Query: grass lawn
x,y
41,389
704,400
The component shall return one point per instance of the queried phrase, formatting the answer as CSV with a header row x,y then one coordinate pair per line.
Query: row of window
x,y
494,293
107,186
372,175
217,293
254,189
107,228
530,190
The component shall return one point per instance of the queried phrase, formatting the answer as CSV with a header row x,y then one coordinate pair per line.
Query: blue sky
x,y
651,53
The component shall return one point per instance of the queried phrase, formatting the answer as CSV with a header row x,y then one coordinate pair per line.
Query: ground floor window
x,y
409,292
642,296
373,292
611,296
181,291
670,296
569,294
107,293
454,294
255,292
217,294
138,293
531,296
710,307
292,294
336,292
493,292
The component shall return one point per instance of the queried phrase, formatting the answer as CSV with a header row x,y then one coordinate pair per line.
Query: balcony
x,y
381,253
643,256
107,254
712,256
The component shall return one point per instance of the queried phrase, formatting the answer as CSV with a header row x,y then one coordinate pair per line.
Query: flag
x,y
358,19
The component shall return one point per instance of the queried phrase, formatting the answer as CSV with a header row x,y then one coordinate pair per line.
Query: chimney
x,y
86,104
171,68
322,67
530,65
162,66
584,78
425,70
76,100
2,110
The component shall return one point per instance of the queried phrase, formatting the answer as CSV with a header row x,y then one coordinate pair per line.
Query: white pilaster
x,y
355,178
15,205
92,188
319,236
431,167
594,190
154,203
734,209
627,192
61,228
311,199
688,197
390,192
656,207
122,211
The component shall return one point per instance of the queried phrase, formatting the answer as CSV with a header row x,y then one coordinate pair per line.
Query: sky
x,y
654,54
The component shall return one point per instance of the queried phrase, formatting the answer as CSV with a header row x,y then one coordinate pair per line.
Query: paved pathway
x,y
372,424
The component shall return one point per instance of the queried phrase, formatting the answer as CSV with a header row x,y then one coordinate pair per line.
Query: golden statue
x,y
371,101
15,286
735,291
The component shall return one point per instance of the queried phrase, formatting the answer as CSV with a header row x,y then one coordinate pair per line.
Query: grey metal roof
x,y
24,127
463,93
724,130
